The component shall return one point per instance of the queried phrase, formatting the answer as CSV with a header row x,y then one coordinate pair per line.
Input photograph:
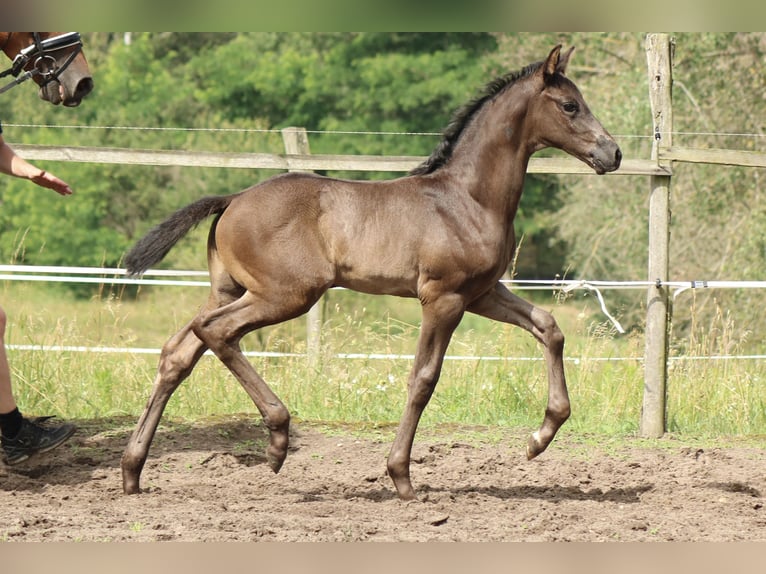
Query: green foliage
x,y
348,82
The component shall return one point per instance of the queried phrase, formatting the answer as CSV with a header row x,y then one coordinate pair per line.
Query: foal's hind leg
x,y
179,355
221,329
502,305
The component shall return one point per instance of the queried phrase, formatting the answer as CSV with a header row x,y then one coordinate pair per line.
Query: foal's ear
x,y
561,68
556,63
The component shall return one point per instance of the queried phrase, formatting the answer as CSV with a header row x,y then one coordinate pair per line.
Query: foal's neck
x,y
490,160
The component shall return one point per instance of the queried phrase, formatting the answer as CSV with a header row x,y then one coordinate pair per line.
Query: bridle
x,y
44,64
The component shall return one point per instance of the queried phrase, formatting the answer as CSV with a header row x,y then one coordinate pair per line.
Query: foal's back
x,y
370,236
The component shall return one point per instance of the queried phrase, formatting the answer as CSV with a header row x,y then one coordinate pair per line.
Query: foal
x,y
443,234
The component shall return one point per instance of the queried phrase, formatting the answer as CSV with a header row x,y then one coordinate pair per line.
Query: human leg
x,y
20,437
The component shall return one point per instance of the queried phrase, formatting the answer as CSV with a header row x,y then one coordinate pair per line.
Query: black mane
x,y
443,152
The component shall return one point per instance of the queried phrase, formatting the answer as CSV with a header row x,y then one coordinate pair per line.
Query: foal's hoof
x,y
534,445
404,488
130,486
409,497
130,478
275,459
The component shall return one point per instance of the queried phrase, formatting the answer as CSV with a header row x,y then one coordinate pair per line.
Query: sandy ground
x,y
209,482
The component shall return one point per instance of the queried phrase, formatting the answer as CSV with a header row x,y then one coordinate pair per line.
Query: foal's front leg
x,y
440,319
502,305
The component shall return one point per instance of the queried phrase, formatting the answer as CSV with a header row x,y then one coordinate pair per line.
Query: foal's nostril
x,y
618,156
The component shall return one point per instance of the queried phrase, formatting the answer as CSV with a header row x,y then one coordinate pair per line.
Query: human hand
x,y
45,179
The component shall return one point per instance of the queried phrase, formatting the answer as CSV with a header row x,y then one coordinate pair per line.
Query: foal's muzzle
x,y
606,156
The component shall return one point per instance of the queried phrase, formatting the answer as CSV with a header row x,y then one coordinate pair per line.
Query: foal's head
x,y
537,107
560,118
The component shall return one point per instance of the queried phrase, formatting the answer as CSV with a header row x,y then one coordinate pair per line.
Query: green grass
x,y
706,398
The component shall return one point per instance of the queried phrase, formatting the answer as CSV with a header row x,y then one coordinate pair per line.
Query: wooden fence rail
x,y
315,162
295,161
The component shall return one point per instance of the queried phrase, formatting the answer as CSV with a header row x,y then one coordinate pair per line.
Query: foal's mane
x,y
463,116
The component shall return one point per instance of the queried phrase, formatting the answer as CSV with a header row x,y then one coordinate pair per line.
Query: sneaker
x,y
35,436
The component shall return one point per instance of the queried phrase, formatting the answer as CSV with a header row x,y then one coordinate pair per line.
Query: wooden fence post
x,y
297,143
653,413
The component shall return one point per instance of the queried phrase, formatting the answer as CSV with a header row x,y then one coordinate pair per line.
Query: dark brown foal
x,y
443,234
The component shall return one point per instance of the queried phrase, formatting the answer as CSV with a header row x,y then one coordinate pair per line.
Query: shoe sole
x,y
48,448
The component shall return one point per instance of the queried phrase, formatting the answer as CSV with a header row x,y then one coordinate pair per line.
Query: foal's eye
x,y
570,107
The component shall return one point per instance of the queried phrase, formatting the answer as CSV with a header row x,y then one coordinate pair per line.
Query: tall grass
x,y
720,395
705,397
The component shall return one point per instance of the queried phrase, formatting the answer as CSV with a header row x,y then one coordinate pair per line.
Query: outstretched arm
x,y
12,164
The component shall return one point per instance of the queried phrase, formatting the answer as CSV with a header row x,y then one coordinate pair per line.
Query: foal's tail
x,y
153,247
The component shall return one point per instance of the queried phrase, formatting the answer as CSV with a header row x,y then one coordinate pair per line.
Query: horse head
x,y
563,120
54,60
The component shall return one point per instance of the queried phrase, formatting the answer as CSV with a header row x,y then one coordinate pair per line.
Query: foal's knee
x,y
556,337
422,385
549,331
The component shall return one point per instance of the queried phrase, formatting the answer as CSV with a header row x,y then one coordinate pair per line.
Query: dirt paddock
x,y
208,481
